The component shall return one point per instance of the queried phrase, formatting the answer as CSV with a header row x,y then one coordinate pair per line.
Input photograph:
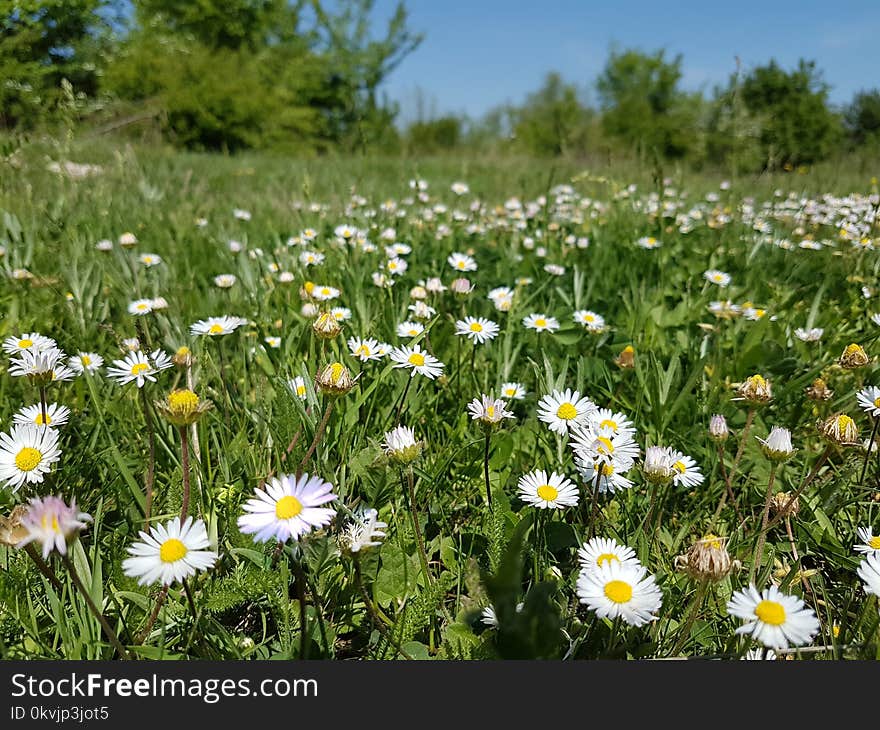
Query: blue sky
x,y
480,53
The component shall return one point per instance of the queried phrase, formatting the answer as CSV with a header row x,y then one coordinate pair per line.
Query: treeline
x,y
305,77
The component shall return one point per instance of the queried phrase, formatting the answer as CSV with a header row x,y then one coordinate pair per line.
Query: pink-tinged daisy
x,y
287,508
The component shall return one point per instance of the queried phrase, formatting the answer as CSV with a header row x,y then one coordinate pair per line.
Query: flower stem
x,y
868,452
762,536
319,431
809,480
184,459
694,610
154,614
299,579
43,567
378,624
409,483
151,464
742,442
486,468
105,625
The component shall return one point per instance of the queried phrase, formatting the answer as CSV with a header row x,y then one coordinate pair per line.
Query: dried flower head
x,y
818,390
854,356
839,429
707,559
755,390
12,531
334,379
626,360
183,357
326,326
782,504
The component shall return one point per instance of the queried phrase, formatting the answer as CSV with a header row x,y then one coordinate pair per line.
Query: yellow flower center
x,y
476,327
363,350
40,422
607,447
547,493
309,287
852,349
182,401
566,412
28,459
540,322
300,390
287,507
53,526
139,368
85,360
589,318
416,359
757,381
460,264
336,371
172,550
679,467
770,612
874,542
608,423
606,470
606,558
490,411
512,392
876,402
844,422
182,351
712,541
142,306
25,344
618,591
215,329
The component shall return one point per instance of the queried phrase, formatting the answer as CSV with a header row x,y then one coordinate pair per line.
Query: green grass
x,y
686,362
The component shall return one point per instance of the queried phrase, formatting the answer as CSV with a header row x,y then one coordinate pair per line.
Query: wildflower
x,y
773,618
616,589
869,400
326,326
417,361
41,367
401,446
182,407
288,507
52,523
819,391
648,242
781,504
687,472
225,281
410,329
86,362
140,307
591,321
56,415
477,329
297,386
127,240
600,551
717,277
626,359
755,390
150,259
707,559
12,532
27,453
718,430
214,326
420,310
854,356
461,262
170,552
869,572
602,443
563,409
813,334
544,491
513,391
488,410
363,531
27,341
541,323
657,466
462,287
870,543
839,429
334,379
777,446
138,368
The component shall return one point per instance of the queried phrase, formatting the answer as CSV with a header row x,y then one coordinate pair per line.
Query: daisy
x,y
547,492
150,259
137,367
459,188
170,552
27,341
513,391
869,572
214,326
273,342
140,307
773,618
311,258
341,314
875,318
607,475
324,293
591,321
410,329
396,266
603,444
225,281
717,277
809,335
616,589
86,362
420,310
477,329
55,415
364,349
288,507
564,409
417,360
461,262
869,400
687,472
870,543
648,242
297,386
52,523
400,444
41,365
601,550
27,454
489,410
541,323
363,531
616,421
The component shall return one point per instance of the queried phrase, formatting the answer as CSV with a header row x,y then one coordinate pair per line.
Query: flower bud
x,y
718,430
418,293
777,446
183,357
400,445
461,287
657,466
334,379
182,407
755,390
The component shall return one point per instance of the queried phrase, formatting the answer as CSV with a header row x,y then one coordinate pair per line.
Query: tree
x,y
862,117
791,108
552,121
643,105
43,42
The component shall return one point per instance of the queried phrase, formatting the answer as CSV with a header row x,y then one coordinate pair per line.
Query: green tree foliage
x,y
43,42
552,121
644,107
436,135
791,108
862,118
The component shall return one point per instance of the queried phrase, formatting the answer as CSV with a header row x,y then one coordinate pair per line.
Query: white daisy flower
x,y
648,242
27,454
461,262
287,507
869,400
150,259
602,444
396,266
420,310
617,589
617,422
489,410
553,491
401,445
340,314
513,391
86,362
541,323
225,281
610,473
139,307
51,522
417,360
870,543
273,342
169,553
477,329
563,409
41,364
27,341
311,258
591,321
869,572
364,531
410,329
773,618
687,473
214,326
56,415
813,334
298,387
602,550
324,293
138,368
365,349
717,277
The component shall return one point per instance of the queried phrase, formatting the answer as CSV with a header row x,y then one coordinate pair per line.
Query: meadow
x,y
435,409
